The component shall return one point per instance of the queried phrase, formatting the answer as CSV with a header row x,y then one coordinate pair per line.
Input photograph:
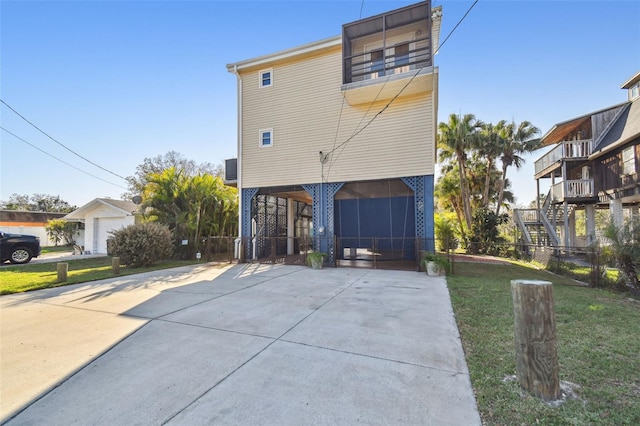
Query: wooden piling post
x,y
535,338
115,265
63,269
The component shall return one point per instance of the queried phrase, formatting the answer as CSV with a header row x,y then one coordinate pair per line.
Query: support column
x,y
590,223
422,187
245,220
290,225
615,209
566,230
572,228
323,195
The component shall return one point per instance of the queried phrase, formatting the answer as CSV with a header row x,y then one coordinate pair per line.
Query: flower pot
x,y
433,268
316,262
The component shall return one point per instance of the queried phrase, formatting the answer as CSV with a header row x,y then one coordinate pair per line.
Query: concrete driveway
x,y
243,344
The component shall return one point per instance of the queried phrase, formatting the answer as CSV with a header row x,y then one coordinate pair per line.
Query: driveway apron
x,y
238,345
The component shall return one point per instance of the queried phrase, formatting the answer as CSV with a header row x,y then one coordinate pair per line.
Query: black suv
x,y
18,248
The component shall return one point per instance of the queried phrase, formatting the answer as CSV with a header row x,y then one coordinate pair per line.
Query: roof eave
x,y
285,54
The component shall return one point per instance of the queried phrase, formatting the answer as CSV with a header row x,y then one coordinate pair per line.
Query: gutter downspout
x,y
239,163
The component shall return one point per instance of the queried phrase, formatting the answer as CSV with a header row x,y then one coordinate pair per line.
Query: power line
x,y
59,143
56,158
405,86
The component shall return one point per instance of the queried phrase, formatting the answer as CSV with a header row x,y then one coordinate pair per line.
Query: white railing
x,y
564,150
578,188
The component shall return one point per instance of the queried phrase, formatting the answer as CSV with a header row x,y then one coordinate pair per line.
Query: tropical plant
x,y
455,140
515,141
60,230
625,247
315,259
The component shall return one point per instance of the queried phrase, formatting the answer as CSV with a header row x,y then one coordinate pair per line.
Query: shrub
x,y
141,244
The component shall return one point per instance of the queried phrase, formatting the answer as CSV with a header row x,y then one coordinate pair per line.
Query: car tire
x,y
20,255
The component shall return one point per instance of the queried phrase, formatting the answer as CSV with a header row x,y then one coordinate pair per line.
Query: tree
x,y
515,141
455,139
191,206
160,163
489,149
60,229
38,203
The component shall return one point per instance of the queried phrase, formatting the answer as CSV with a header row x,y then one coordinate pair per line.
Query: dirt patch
x,y
477,258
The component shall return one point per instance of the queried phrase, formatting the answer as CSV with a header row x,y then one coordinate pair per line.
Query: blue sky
x,y
118,81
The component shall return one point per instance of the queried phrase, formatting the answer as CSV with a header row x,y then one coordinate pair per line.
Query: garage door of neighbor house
x,y
102,226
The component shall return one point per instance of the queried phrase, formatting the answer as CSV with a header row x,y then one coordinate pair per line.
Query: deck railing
x,y
579,188
565,150
361,67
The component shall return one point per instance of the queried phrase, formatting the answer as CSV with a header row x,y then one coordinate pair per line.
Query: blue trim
x,y
422,187
247,201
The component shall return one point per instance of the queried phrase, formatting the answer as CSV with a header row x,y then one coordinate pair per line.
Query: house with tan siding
x,y
337,141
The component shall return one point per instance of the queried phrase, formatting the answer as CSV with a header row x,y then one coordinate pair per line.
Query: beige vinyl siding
x,y
303,107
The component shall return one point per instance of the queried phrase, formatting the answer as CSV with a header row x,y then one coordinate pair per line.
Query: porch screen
x,y
375,219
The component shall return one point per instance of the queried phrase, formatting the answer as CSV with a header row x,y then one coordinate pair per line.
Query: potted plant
x,y
315,259
435,264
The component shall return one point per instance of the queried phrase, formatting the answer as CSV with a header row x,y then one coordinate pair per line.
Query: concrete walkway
x,y
237,345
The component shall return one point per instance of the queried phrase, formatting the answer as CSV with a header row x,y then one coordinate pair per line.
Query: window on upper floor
x,y
266,78
266,137
634,91
628,161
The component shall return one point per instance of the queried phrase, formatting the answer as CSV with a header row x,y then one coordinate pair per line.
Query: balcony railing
x,y
565,150
362,66
580,188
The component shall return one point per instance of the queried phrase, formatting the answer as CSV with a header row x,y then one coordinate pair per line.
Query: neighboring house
x,y
28,223
337,140
594,164
101,216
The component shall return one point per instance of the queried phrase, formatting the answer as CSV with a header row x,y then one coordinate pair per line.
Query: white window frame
x,y
261,132
260,79
629,163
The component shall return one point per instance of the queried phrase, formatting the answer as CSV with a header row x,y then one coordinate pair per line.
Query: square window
x,y
266,138
266,78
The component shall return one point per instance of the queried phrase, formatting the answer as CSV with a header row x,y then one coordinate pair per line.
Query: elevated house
x,y
337,140
594,163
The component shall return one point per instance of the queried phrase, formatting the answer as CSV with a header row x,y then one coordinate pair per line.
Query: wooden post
x,y
115,265
63,268
535,338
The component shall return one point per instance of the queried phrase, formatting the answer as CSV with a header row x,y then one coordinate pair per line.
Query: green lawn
x,y
598,348
35,276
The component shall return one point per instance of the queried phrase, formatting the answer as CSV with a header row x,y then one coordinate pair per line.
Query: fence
x,y
371,252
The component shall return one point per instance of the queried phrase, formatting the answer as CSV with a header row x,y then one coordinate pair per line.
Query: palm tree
x,y
515,141
455,139
489,148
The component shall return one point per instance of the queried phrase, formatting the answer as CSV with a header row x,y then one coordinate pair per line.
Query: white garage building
x,y
101,216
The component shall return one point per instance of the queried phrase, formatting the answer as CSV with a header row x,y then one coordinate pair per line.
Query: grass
x,y
597,339
36,276
56,249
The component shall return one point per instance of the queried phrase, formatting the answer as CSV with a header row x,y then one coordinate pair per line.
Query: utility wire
x,y
406,85
59,143
62,161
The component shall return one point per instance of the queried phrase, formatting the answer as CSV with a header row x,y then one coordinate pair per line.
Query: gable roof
x,y
124,207
560,130
624,128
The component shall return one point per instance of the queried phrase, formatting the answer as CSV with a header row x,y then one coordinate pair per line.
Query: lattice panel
x,y
247,202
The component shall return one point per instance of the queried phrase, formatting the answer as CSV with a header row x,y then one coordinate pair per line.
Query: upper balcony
x,y
568,150
383,53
